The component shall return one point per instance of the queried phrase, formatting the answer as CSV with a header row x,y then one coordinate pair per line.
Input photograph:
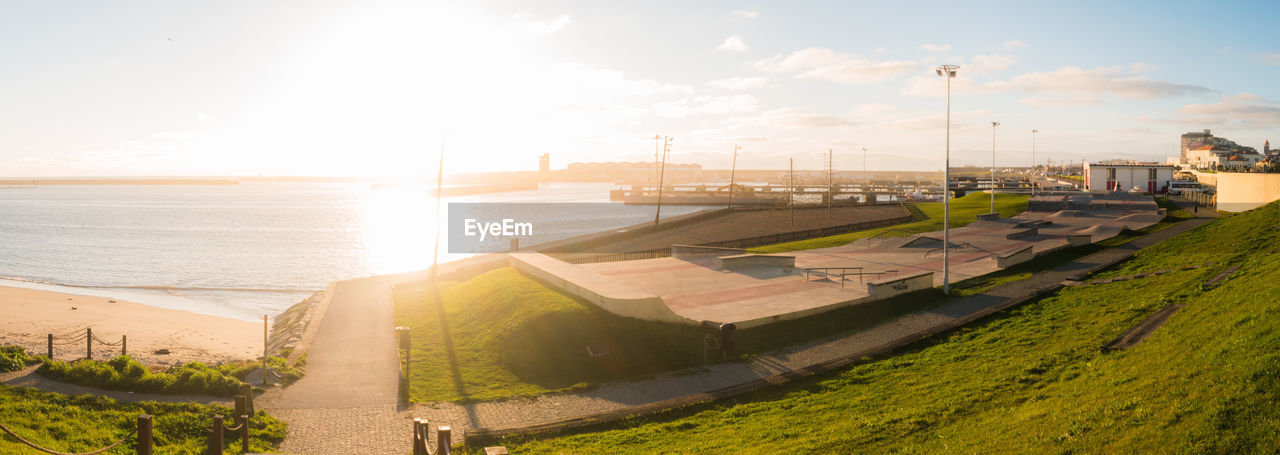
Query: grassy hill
x,y
1034,379
82,423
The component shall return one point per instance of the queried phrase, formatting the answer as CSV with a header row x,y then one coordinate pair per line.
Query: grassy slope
x,y
928,218
1033,379
512,336
81,423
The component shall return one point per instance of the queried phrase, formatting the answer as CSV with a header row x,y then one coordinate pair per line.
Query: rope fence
x,y
88,338
143,430
422,435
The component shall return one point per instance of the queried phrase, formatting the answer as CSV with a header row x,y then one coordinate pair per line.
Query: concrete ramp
x,y
604,292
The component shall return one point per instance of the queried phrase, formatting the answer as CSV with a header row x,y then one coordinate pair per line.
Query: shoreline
x,y
32,314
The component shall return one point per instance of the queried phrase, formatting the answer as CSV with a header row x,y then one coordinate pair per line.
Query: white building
x,y
1127,175
1210,157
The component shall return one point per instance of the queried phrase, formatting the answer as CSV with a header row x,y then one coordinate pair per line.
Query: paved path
x,y
347,402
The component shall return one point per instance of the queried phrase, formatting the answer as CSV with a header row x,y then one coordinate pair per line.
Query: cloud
x,y
935,48
1244,110
703,104
829,65
1060,102
1013,44
525,23
983,64
933,86
743,14
738,83
1269,58
1102,80
733,44
789,117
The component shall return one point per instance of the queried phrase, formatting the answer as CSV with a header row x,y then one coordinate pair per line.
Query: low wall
x,y
691,251
747,260
889,287
1079,239
1022,233
1013,257
595,288
1238,192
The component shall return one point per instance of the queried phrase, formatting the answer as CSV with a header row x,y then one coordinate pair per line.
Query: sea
x,y
252,249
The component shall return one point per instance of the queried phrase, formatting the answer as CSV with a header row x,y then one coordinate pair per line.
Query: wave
x,y
169,289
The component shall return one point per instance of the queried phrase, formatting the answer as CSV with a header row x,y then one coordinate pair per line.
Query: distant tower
x,y
544,164
1266,147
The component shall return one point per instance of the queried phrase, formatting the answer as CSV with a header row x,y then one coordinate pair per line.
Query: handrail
x,y
882,234
53,452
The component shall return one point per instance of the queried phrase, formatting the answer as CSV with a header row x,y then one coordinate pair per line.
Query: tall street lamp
x,y
993,165
1033,162
947,72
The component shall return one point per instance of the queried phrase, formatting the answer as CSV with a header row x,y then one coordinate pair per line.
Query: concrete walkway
x,y
347,402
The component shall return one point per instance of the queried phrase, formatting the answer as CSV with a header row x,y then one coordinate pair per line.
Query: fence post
x,y
247,391
419,444
443,443
215,437
88,342
241,408
50,346
124,344
244,433
144,434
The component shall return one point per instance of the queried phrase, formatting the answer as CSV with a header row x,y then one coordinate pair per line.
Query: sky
x,y
379,88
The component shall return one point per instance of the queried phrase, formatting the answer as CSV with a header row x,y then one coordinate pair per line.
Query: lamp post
x,y
733,171
947,72
1033,162
993,165
865,199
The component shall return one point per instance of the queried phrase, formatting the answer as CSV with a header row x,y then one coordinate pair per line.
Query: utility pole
x,y
657,143
662,175
831,187
791,191
865,199
1033,162
993,165
732,170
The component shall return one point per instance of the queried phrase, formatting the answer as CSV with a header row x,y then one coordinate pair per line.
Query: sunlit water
x,y
242,250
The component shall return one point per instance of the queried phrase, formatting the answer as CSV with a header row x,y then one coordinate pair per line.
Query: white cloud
x,y
826,64
743,14
1269,58
1244,110
881,50
1061,102
983,64
1013,44
1102,80
525,23
789,117
935,48
733,44
738,83
703,104
931,85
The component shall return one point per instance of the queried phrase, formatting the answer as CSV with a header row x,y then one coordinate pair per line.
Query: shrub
x,y
14,358
125,373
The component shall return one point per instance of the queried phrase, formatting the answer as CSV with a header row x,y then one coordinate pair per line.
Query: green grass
x,y
511,336
1032,379
125,373
928,218
82,423
14,358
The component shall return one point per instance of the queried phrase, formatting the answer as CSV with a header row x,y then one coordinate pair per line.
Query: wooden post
x,y
215,437
88,342
264,349
240,406
244,433
247,391
124,344
419,442
50,346
443,443
144,434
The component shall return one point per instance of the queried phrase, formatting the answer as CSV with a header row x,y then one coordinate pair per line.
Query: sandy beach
x,y
29,315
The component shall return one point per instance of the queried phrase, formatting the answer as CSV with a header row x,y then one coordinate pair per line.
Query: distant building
x,y
544,164
1195,140
1211,157
1117,175
634,172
